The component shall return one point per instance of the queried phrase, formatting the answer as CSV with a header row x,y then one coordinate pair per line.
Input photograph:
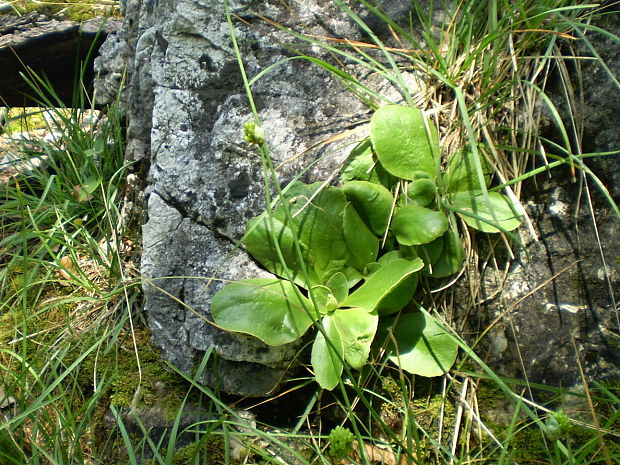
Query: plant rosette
x,y
348,259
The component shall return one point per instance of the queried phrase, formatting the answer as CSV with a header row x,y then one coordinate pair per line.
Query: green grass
x,y
68,284
75,356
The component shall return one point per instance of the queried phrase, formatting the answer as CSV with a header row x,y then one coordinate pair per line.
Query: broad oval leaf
x,y
357,328
489,213
324,299
317,220
381,283
464,174
421,192
372,268
338,284
351,274
269,309
400,140
450,260
414,225
326,357
391,256
403,293
362,166
261,234
363,245
373,202
430,252
399,297
422,347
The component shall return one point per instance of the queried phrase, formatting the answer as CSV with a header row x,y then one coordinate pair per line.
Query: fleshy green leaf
x,y
390,257
372,268
339,286
362,243
327,358
259,242
399,297
381,283
490,214
451,258
362,166
462,174
400,140
317,218
315,222
423,347
266,308
325,300
430,252
415,225
357,328
403,293
353,276
373,202
421,192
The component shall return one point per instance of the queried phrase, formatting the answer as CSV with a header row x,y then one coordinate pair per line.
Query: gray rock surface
x,y
556,305
186,106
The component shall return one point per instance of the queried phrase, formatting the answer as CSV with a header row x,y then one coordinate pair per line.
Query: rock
x,y
186,106
8,404
50,48
555,306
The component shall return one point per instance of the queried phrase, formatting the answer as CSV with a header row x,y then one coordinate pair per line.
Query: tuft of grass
x,y
69,287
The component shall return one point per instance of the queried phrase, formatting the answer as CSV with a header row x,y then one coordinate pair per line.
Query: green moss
x,y
122,364
392,390
9,322
24,120
612,339
426,408
491,394
210,451
528,442
76,10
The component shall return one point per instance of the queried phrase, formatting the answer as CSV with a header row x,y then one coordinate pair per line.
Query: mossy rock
x,y
210,451
75,10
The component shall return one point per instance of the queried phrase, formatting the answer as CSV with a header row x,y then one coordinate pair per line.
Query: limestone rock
x,y
186,106
555,305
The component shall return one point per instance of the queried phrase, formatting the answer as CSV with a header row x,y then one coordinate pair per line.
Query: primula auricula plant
x,y
350,257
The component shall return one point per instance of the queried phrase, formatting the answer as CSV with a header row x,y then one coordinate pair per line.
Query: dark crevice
x,y
180,207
